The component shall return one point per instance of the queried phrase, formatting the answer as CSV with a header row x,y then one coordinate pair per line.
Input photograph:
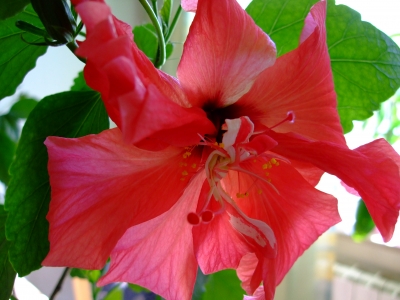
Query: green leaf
x,y
115,294
364,223
8,8
137,288
169,48
91,275
365,64
17,57
146,39
165,12
80,83
199,287
8,147
223,285
7,273
9,126
282,20
69,114
23,108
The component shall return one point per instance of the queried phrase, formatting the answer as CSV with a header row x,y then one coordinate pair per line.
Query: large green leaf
x,y
223,285
365,64
7,273
8,8
17,57
69,114
282,20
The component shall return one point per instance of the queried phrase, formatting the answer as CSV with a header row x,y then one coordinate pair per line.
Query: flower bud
x,y
57,18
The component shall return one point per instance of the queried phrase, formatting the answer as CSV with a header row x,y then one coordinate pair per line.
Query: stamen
x,y
207,216
290,118
193,218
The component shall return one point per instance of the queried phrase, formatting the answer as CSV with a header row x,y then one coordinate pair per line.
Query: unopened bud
x,y
57,18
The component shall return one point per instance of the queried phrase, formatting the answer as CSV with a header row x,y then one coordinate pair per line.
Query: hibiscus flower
x,y
217,169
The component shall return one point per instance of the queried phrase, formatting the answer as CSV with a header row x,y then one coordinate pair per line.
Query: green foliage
x,y
223,285
17,57
9,133
283,21
69,114
115,294
364,223
7,273
137,288
80,83
199,287
146,39
387,122
22,108
91,275
8,147
165,13
365,64
8,8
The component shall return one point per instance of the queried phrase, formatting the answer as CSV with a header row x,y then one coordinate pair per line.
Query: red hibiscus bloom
x,y
215,170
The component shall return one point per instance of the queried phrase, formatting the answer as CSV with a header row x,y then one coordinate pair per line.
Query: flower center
x,y
234,149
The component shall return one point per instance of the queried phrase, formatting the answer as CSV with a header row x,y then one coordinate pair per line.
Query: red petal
x,y
223,54
371,169
158,254
142,101
218,238
100,187
296,212
245,272
299,82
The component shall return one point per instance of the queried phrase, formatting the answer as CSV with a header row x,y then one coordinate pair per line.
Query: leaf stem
x,y
59,284
160,60
173,24
73,46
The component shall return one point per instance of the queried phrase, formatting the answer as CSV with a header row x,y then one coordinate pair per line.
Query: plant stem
x,y
173,24
59,284
161,42
73,46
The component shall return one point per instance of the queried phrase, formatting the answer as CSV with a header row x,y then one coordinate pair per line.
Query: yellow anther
x,y
266,173
269,179
240,195
277,163
194,166
186,154
183,178
185,173
221,145
254,160
265,166
273,161
259,192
